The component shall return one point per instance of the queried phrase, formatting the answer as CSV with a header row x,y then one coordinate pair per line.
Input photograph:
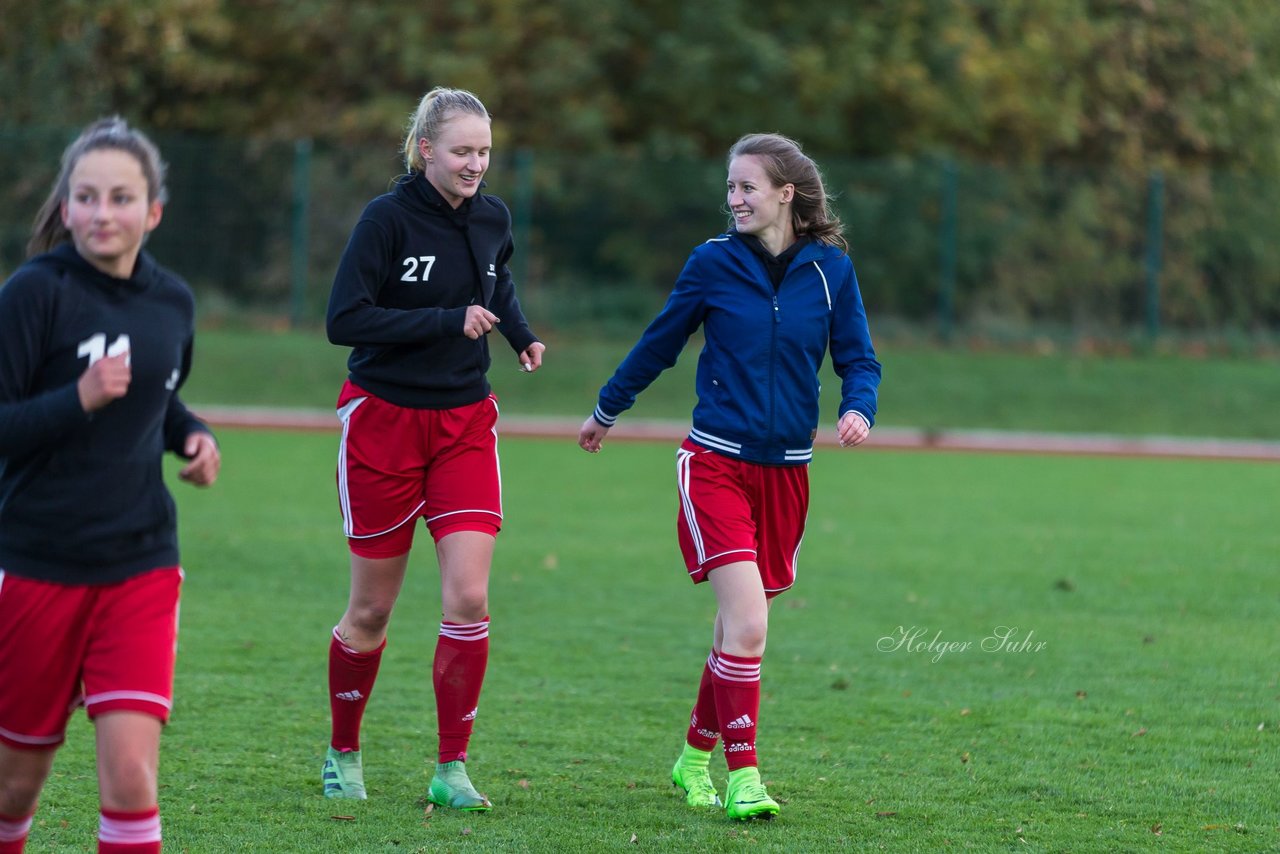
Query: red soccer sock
x,y
351,678
129,832
462,654
13,833
704,729
737,688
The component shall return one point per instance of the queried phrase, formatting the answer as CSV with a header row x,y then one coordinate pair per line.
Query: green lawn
x,y
1145,721
923,387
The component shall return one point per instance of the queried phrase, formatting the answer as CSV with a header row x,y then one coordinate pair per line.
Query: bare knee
x,y
369,619
745,634
375,586
129,784
22,776
19,794
469,605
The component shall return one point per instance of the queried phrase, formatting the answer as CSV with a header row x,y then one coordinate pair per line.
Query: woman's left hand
x,y
531,357
205,460
852,429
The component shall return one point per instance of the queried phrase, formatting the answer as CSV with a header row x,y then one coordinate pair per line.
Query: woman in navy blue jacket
x,y
772,295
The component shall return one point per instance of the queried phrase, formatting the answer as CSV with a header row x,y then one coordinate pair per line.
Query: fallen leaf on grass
x,y
524,784
1080,695
343,817
1141,731
964,757
1157,829
965,713
886,813
634,839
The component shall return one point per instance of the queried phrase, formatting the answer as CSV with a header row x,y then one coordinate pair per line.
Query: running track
x,y
993,441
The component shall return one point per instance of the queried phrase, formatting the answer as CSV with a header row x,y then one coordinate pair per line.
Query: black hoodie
x,y
82,497
412,265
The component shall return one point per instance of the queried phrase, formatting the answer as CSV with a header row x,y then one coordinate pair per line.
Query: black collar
x,y
776,265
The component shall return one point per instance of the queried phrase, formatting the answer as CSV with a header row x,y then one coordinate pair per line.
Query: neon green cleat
x,y
746,797
451,787
343,775
690,774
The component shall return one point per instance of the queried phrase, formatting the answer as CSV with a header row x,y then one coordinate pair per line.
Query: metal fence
x,y
257,227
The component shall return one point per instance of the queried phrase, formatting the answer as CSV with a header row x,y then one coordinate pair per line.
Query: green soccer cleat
x,y
343,775
690,774
451,787
746,797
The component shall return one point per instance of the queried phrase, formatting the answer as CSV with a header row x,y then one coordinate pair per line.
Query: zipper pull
x,y
777,318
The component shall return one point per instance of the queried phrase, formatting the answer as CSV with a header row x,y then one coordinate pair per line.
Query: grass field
x,y
1132,708
923,386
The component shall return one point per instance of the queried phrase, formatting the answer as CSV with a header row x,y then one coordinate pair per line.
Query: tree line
x,y
1132,83
1072,106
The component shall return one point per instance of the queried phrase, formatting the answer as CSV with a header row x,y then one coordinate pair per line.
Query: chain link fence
x,y
944,246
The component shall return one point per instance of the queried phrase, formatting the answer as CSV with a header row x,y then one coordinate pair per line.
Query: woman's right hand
x,y
591,436
104,381
478,322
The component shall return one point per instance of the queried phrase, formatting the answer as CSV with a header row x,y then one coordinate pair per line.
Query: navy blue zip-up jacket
x,y
757,380
82,497
412,265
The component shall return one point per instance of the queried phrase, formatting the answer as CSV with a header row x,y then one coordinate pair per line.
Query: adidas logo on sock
x,y
706,733
740,747
471,716
349,695
740,723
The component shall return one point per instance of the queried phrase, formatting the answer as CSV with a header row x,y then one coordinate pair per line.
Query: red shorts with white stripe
x,y
396,464
108,647
732,510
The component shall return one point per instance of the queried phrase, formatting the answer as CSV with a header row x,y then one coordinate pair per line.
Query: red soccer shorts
x,y
109,647
732,510
396,464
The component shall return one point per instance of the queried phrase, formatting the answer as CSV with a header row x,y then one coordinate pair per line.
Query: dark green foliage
x,y
1134,84
1054,115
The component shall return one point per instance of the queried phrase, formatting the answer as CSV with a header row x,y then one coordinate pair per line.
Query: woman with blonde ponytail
x,y
423,282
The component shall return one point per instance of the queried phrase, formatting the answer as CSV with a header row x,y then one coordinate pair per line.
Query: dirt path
x,y
993,441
